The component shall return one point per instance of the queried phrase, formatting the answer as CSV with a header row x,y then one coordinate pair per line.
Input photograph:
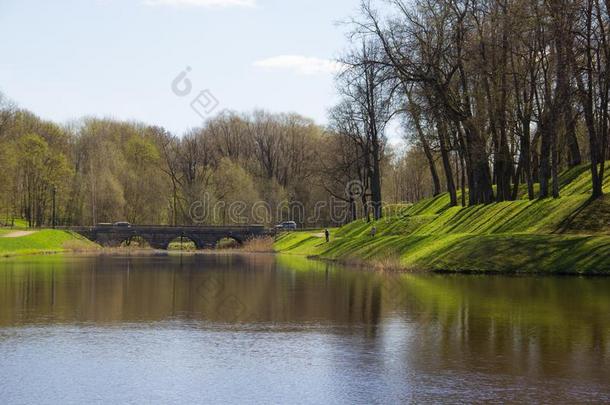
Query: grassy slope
x,y
45,241
567,235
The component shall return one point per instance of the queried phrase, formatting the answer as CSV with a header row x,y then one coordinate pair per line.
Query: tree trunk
x,y
376,183
436,183
545,157
527,163
574,156
555,165
481,190
442,136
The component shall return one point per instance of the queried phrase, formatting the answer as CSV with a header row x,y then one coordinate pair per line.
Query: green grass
x,y
566,235
42,242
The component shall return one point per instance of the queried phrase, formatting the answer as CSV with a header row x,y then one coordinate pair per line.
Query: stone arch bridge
x,y
159,237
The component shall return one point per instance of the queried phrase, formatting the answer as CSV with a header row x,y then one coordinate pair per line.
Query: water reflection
x,y
357,335
221,289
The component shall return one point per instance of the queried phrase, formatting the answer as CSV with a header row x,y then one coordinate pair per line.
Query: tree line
x,y
244,168
493,99
497,95
104,170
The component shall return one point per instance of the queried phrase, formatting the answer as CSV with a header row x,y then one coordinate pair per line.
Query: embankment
x,y
569,235
31,242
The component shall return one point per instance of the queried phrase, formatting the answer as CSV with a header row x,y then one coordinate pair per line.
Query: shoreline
x,y
364,265
356,263
136,252
562,255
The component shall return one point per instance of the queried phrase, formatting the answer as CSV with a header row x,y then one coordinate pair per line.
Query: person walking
x,y
327,235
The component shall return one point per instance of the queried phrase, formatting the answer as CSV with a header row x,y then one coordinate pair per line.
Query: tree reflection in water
x,y
508,334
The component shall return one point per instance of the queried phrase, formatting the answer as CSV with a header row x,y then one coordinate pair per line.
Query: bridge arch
x,y
229,241
135,241
184,243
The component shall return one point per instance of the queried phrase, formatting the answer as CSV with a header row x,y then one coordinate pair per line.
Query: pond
x,y
261,328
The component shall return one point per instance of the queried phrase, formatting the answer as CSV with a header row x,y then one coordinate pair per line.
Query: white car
x,y
287,226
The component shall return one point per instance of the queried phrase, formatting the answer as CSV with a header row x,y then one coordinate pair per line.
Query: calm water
x,y
264,329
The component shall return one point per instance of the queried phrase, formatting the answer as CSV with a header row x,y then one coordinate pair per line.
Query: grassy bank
x,y
18,243
568,235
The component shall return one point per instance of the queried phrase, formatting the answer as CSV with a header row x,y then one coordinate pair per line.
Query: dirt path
x,y
17,234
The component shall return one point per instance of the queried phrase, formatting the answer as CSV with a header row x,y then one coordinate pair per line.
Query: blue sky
x,y
117,58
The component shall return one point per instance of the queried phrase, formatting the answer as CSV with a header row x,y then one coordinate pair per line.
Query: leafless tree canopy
x,y
498,93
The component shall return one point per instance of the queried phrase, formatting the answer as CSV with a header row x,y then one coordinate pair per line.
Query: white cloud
x,y
299,64
202,3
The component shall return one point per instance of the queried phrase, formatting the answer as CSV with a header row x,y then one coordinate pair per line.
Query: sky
x,y
171,63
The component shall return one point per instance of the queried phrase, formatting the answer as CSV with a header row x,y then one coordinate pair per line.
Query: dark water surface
x,y
265,329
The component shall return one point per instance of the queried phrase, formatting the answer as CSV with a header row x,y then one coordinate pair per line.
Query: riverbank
x,y
16,242
27,242
569,235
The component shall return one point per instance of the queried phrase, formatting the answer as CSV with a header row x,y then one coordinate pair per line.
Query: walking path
x,y
17,234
